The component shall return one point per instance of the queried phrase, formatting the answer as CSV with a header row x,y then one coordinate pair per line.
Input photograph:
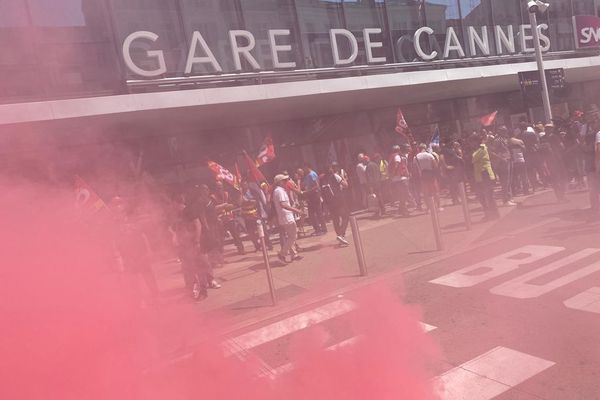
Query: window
x,y
160,17
18,56
507,14
75,51
443,16
583,7
477,14
405,17
262,16
214,19
561,25
368,14
316,18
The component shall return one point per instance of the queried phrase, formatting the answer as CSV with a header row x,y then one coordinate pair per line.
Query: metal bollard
x,y
465,205
358,246
263,246
435,220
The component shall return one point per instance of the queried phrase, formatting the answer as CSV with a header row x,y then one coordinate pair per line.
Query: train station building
x,y
184,81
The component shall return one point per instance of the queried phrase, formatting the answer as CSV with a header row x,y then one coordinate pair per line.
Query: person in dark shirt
x,y
198,236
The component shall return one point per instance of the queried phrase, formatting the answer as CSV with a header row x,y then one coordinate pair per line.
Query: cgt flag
x,y
402,127
488,120
223,174
267,152
254,174
86,199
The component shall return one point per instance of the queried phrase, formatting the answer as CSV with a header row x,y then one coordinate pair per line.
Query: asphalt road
x,y
516,315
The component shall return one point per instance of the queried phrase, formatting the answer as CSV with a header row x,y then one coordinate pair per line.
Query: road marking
x,y
490,374
285,368
427,328
519,287
289,325
496,266
585,301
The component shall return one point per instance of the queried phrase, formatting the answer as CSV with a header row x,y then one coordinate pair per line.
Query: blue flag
x,y
435,139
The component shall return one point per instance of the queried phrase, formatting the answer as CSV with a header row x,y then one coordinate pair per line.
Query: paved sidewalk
x,y
391,245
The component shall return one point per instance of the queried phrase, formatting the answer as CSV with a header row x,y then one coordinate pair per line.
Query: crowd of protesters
x,y
495,164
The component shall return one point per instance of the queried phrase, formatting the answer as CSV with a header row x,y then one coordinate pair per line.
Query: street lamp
x,y
535,6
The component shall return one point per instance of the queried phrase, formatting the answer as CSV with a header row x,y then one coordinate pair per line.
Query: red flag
x,y
86,199
267,152
402,127
254,174
222,174
489,119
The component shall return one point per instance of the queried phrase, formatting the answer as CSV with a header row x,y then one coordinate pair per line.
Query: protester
x,y
285,218
374,185
312,193
334,187
484,179
452,155
198,237
400,176
226,218
253,205
533,162
594,171
361,180
520,181
428,166
385,177
501,163
132,250
553,151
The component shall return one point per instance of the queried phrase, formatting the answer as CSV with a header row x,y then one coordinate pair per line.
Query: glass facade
x,y
76,49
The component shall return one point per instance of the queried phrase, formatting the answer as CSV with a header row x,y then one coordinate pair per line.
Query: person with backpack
x,y
334,188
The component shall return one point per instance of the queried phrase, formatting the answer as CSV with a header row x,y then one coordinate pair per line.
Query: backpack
x,y
330,190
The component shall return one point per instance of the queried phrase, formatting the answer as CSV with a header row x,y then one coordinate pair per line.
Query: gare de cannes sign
x,y
476,42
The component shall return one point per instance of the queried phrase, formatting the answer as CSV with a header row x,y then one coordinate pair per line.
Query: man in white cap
x,y
285,219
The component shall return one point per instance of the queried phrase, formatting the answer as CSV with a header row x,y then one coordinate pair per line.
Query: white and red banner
x,y
222,174
587,31
267,152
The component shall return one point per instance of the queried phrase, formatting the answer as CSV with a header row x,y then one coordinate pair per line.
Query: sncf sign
x,y
587,31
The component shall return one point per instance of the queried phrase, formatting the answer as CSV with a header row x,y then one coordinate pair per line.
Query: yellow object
x,y
481,163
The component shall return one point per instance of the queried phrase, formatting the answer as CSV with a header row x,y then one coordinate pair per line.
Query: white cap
x,y
280,177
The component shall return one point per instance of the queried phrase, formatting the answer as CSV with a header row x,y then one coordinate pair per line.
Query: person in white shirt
x,y
428,167
285,219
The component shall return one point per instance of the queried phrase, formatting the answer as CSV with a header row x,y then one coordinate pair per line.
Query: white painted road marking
x,y
520,288
497,266
427,328
290,325
285,368
586,301
490,374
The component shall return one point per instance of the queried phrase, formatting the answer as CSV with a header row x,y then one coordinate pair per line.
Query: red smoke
x,y
73,328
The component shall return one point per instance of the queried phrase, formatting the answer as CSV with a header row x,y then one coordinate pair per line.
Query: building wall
x,y
74,50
